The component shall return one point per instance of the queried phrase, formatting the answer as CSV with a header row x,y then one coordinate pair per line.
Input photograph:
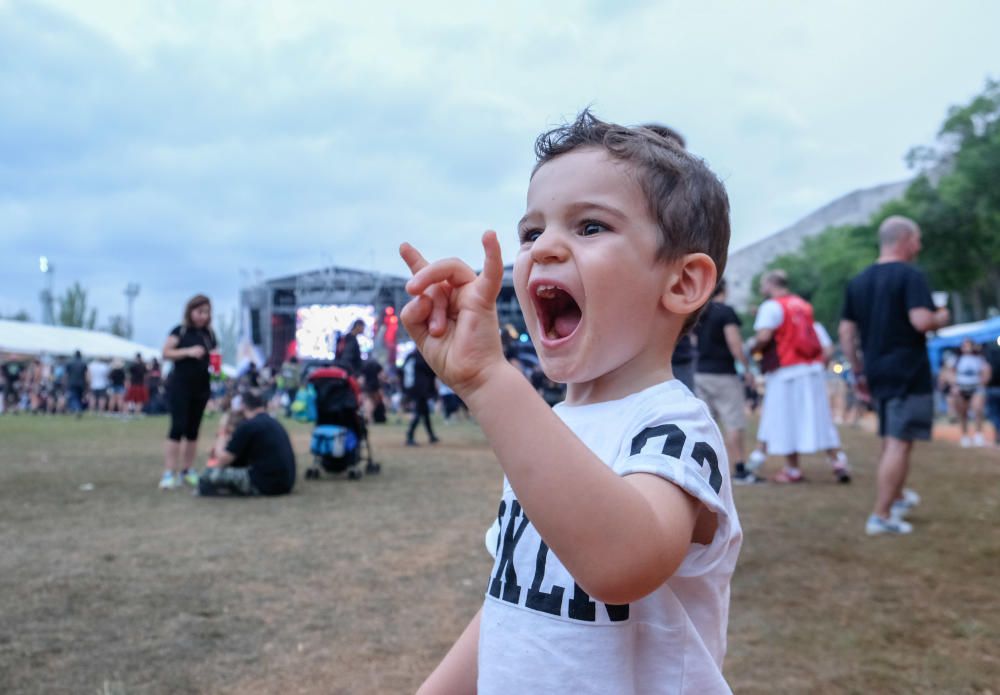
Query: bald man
x,y
887,312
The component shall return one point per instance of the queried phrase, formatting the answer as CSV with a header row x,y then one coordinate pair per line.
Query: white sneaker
x,y
756,460
168,481
842,468
977,439
876,526
965,442
905,504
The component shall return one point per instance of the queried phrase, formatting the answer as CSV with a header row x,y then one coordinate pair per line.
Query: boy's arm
x,y
620,537
458,671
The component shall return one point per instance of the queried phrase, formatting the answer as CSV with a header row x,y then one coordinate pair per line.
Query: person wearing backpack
x,y
795,418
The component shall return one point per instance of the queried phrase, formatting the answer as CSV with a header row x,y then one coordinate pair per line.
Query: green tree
x,y
820,269
73,310
960,213
956,201
118,325
21,315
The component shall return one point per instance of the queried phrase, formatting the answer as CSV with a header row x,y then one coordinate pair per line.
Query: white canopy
x,y
23,338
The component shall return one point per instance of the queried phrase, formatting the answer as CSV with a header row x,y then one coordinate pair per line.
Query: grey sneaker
x,y
905,505
746,477
876,526
756,459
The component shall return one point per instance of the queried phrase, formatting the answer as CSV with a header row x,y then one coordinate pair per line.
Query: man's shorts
x,y
724,396
906,417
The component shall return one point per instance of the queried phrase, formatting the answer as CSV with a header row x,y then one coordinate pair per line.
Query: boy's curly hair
x,y
686,199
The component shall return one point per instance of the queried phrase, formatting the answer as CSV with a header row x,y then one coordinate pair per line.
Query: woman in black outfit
x,y
418,383
188,347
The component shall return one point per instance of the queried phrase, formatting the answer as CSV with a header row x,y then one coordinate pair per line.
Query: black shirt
x,y
117,377
190,374
714,356
350,355
262,445
76,374
137,373
993,358
418,377
683,352
879,300
371,369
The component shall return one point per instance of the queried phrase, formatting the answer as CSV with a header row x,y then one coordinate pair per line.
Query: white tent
x,y
22,338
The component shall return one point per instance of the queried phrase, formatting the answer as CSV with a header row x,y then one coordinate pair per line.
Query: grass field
x,y
360,587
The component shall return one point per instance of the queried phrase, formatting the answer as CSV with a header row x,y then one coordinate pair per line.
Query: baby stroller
x,y
340,428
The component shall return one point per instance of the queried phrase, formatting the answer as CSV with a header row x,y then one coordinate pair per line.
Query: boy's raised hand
x,y
453,316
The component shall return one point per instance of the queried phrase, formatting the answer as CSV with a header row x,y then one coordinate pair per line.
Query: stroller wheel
x,y
354,474
373,468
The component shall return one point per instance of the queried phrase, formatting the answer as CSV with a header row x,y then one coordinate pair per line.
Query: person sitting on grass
x,y
258,460
230,420
616,536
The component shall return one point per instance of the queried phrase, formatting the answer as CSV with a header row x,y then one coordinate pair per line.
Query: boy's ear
x,y
689,284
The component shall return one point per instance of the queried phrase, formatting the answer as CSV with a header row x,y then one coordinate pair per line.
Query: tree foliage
x,y
73,310
955,199
118,325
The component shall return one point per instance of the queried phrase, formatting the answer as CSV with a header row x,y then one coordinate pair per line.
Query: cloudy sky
x,y
192,146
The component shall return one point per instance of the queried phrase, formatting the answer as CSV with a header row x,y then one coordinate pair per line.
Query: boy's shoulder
x,y
669,403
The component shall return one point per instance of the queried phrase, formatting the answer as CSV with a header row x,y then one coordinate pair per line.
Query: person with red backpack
x,y
795,418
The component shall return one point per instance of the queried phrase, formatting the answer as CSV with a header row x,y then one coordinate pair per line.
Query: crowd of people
x,y
74,385
630,442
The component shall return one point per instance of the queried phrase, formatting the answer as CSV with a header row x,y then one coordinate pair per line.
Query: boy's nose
x,y
549,247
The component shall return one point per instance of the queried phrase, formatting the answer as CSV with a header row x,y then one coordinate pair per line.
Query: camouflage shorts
x,y
226,481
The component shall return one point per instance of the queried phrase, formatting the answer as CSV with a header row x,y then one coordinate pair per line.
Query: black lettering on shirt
x,y
672,446
505,567
582,608
537,599
703,453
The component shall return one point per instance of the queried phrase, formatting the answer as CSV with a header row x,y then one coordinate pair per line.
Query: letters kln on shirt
x,y
504,584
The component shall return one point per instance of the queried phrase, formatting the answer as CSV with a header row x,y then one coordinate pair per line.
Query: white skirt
x,y
796,417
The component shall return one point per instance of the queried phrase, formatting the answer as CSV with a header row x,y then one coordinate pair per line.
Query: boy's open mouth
x,y
558,313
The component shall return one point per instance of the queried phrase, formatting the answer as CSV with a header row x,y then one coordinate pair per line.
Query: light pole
x,y
48,315
131,292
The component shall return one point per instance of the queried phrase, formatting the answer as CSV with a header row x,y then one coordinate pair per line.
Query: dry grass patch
x,y
361,587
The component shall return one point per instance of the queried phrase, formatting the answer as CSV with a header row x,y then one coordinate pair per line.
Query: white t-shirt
x,y
540,633
770,316
969,372
99,372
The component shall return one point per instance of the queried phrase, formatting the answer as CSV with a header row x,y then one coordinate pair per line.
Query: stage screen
x,y
317,326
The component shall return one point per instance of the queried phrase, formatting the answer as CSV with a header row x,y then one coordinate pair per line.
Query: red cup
x,y
215,361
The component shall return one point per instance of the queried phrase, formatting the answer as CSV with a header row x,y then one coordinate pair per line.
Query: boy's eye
x,y
530,235
591,228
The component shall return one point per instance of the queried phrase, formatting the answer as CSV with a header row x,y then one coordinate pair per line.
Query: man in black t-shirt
x,y
350,354
887,310
258,460
682,361
993,390
76,383
720,347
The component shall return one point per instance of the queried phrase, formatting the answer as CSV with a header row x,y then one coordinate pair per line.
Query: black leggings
x,y
421,411
186,411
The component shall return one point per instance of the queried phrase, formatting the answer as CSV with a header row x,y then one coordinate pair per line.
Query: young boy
x,y
617,532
